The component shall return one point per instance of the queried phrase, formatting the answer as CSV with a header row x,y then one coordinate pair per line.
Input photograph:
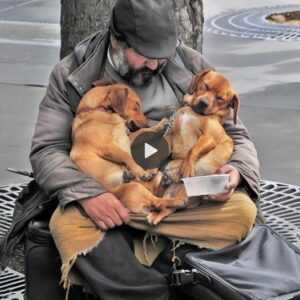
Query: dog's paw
x,y
187,170
165,126
147,176
128,176
184,203
172,176
162,126
167,178
151,218
142,175
154,218
176,202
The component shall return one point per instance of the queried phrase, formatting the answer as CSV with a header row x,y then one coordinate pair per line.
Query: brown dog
x,y
198,142
101,146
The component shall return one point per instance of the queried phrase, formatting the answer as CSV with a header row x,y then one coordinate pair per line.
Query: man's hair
x,y
120,40
118,57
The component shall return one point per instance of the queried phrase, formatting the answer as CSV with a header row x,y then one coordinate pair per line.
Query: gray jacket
x,y
69,81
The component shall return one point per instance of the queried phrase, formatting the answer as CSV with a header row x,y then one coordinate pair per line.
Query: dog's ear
x,y
196,80
235,105
103,82
118,100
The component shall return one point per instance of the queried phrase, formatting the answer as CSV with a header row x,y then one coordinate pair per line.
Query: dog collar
x,y
98,108
169,124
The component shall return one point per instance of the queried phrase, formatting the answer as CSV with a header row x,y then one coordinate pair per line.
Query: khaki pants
x,y
212,225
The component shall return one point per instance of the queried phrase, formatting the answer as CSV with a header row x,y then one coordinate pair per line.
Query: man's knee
x,y
244,210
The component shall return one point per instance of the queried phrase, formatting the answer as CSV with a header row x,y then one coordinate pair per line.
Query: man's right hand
x,y
106,211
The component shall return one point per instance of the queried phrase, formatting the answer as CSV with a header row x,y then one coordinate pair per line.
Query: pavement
x,y
265,73
29,48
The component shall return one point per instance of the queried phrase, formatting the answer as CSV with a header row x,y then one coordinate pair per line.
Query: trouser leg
x,y
211,224
112,271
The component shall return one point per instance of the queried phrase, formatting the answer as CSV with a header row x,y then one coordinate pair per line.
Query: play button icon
x,y
150,150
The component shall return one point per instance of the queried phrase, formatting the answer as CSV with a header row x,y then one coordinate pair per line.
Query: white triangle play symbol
x,y
149,150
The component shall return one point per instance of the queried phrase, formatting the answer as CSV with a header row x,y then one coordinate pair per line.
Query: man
x,y
140,49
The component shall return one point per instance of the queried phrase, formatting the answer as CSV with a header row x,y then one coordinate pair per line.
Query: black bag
x,y
43,266
31,203
42,263
263,266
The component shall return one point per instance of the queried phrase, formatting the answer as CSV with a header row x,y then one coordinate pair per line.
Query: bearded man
x,y
139,48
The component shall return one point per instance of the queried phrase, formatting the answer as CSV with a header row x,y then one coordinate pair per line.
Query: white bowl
x,y
206,185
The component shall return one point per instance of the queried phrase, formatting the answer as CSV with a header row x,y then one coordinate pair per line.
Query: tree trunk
x,y
80,18
189,17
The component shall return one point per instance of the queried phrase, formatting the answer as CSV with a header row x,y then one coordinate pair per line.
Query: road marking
x,y
52,43
18,5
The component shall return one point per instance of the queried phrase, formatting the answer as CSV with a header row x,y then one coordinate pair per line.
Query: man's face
x,y
134,67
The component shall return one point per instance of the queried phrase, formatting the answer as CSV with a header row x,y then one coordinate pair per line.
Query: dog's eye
x,y
205,86
220,100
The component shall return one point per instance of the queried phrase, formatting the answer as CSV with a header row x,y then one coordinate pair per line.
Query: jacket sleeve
x,y
244,157
51,145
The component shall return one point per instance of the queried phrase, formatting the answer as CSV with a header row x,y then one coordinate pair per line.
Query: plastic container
x,y
206,185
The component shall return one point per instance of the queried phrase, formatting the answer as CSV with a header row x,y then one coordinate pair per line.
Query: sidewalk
x,y
267,77
214,7
29,43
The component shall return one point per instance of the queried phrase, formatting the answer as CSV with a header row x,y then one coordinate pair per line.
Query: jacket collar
x,y
91,55
178,76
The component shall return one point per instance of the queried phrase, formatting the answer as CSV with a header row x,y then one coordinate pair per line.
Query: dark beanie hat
x,y
147,25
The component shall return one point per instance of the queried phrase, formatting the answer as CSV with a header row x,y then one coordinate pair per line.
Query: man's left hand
x,y
234,180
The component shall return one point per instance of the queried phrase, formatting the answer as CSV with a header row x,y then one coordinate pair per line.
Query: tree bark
x,y
80,18
189,17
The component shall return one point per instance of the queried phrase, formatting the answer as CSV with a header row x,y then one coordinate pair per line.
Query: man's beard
x,y
138,77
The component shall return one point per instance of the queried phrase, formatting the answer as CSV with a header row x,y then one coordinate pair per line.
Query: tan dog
x,y
101,146
198,142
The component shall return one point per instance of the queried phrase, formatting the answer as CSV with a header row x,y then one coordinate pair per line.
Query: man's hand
x,y
106,211
234,180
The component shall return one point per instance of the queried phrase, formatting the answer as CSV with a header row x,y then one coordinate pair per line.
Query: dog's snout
x,y
201,106
203,103
132,126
